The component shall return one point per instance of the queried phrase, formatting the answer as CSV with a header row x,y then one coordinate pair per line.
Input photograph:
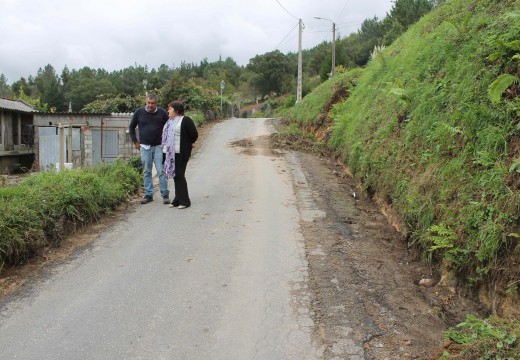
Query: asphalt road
x,y
223,279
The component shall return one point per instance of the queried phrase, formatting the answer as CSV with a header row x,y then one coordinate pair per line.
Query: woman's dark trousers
x,y
181,186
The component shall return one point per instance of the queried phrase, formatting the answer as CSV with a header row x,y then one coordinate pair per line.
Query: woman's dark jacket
x,y
189,135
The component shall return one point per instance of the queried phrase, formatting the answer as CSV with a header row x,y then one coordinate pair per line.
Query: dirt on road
x,y
367,286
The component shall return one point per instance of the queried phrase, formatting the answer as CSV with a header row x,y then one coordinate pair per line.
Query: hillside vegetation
x,y
432,135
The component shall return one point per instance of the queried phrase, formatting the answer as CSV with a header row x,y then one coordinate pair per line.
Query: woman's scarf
x,y
168,141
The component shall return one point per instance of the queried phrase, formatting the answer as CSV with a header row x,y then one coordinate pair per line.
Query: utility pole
x,y
333,44
299,81
332,71
145,82
222,85
61,136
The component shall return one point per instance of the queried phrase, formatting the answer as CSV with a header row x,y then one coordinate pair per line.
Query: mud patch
x,y
260,145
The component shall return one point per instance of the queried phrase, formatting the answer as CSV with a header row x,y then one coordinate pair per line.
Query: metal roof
x,y
15,105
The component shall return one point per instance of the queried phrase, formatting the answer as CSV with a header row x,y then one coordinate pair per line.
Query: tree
x,y
35,103
271,70
83,86
186,90
246,88
118,104
393,29
49,88
129,81
158,78
370,34
318,55
5,89
407,12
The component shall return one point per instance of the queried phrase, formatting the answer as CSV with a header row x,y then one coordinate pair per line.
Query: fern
x,y
501,84
515,166
462,27
444,239
441,237
452,130
514,45
399,92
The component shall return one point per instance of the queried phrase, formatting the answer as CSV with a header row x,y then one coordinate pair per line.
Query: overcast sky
x,y
114,34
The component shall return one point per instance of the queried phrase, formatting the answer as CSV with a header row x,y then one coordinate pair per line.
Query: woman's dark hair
x,y
178,106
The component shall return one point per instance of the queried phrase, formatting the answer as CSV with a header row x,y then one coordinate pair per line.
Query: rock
x,y
426,282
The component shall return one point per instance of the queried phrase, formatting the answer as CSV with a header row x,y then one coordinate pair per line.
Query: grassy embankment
x,y
46,207
418,129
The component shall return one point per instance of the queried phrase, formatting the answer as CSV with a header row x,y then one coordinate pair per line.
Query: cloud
x,y
114,34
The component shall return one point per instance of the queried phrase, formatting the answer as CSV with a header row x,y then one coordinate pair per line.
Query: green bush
x,y
485,339
45,207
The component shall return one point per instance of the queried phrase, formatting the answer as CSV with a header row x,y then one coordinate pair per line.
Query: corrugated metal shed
x,y
15,105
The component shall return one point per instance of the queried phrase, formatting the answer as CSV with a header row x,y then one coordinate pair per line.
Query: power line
x,y
349,26
357,22
288,40
287,34
341,12
286,10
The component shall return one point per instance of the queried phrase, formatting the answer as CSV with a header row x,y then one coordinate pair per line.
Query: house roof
x,y
15,105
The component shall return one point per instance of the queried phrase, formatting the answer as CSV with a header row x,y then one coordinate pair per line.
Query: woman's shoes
x,y
178,206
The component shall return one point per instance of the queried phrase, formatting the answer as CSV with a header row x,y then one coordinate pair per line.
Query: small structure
x,y
85,139
32,140
16,136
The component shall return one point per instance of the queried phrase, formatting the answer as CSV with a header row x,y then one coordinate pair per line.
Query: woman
x,y
178,136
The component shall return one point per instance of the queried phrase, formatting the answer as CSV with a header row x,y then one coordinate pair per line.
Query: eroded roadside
x,y
373,298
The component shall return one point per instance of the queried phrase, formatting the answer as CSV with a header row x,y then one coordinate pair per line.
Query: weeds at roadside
x,y
46,207
483,339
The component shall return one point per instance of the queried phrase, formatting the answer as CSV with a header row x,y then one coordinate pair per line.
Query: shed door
x,y
105,148
49,148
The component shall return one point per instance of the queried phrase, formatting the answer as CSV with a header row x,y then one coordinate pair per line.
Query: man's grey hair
x,y
152,96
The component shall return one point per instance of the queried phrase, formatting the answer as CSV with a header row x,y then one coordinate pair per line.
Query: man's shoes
x,y
172,205
147,199
166,199
182,207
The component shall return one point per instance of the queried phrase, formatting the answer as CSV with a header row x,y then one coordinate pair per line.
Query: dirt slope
x,y
368,286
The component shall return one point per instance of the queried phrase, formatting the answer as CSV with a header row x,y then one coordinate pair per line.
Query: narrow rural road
x,y
223,279
279,257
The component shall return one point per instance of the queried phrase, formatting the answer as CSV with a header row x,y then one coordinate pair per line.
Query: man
x,y
150,120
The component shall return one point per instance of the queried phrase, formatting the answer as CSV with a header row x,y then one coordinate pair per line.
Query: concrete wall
x,y
89,123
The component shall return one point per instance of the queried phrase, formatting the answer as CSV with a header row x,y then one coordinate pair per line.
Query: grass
x,y
420,130
484,339
46,207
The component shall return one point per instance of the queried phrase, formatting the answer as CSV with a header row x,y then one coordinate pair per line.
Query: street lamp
x,y
222,84
145,82
333,44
